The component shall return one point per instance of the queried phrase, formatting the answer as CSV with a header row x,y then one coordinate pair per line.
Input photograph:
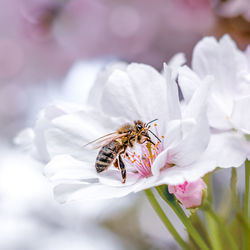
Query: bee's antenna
x,y
151,122
155,135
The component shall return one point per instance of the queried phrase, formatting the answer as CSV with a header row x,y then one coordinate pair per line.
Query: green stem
x,y
213,232
182,216
246,205
199,225
222,227
211,225
209,181
233,183
165,219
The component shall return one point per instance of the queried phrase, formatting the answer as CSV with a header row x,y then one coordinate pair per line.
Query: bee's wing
x,y
104,140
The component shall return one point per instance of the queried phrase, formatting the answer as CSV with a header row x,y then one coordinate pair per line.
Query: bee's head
x,y
142,130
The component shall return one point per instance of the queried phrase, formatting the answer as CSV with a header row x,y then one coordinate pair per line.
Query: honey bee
x,y
114,145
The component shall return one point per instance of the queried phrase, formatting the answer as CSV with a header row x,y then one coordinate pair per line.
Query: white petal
x,y
96,92
189,81
178,175
228,65
176,62
60,142
146,183
222,60
59,108
112,177
64,168
160,162
193,145
88,123
173,103
218,112
77,180
241,114
44,122
177,133
74,192
69,133
198,102
176,130
139,93
229,149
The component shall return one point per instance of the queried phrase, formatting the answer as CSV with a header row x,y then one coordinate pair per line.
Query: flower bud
x,y
190,194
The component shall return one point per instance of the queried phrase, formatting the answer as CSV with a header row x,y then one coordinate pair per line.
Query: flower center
x,y
143,161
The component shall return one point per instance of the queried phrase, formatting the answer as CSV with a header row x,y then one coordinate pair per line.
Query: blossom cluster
x,y
202,123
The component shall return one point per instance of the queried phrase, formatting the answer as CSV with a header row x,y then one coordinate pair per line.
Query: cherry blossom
x,y
229,98
130,92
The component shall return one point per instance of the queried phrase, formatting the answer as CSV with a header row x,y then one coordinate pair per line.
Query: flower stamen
x,y
143,161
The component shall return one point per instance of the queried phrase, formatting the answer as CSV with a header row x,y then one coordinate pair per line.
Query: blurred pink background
x,y
53,50
40,40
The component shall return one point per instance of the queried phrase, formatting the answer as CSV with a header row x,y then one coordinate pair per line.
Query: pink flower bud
x,y
190,194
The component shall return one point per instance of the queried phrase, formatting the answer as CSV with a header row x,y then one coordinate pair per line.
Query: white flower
x,y
133,92
229,98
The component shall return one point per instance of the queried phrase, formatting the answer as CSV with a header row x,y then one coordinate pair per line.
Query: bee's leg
x,y
116,164
122,169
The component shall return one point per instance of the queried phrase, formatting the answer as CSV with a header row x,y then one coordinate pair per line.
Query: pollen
x,y
155,124
162,136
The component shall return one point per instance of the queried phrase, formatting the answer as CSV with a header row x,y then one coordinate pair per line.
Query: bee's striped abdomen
x,y
106,156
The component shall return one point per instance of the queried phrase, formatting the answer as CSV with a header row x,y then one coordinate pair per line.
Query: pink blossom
x,y
190,193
